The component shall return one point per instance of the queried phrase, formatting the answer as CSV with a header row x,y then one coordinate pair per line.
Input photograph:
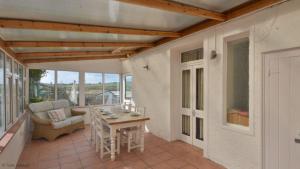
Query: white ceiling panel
x,y
43,35
96,12
215,5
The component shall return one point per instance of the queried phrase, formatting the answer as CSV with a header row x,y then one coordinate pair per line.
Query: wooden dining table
x,y
124,120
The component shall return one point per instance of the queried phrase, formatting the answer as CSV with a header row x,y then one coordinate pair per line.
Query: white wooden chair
x,y
133,134
103,137
92,124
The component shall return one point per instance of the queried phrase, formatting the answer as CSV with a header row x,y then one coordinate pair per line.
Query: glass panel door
x,y
198,113
192,105
186,109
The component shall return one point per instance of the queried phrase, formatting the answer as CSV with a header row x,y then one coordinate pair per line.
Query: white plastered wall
x,y
271,29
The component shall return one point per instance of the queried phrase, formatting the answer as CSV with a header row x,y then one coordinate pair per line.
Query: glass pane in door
x,y
199,89
186,125
186,77
199,128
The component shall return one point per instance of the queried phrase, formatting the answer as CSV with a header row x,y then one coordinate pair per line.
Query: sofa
x,y
45,128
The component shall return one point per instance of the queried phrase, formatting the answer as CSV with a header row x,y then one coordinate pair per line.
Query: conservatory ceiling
x,y
49,31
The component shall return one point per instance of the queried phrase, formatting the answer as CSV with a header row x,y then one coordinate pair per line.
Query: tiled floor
x,y
74,151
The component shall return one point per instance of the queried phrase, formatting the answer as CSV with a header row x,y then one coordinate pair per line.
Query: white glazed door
x,y
192,105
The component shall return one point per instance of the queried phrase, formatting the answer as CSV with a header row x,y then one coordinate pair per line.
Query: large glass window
x,y
8,92
111,88
68,86
41,85
128,87
238,81
93,89
2,96
21,89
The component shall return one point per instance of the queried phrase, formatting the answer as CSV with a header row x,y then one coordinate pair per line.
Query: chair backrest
x,y
99,124
141,110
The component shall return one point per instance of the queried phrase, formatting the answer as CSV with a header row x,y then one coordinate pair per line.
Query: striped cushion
x,y
57,115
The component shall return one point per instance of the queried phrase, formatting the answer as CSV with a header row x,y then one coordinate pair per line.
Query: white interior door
x,y
192,108
282,110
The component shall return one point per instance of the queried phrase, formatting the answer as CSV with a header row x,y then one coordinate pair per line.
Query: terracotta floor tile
x,y
74,151
74,165
48,164
91,161
69,159
176,163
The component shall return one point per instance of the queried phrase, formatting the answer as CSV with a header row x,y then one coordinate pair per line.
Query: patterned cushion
x,y
57,115
63,104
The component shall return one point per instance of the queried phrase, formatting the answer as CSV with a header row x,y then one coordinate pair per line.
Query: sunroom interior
x,y
136,84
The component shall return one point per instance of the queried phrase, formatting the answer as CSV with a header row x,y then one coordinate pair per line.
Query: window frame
x,y
11,76
3,108
120,88
248,130
102,76
127,99
56,85
82,84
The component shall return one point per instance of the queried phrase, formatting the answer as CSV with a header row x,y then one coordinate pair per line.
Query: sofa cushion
x,y
76,119
63,104
57,115
41,107
61,124
67,122
42,115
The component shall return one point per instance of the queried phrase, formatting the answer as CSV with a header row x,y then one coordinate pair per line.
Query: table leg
x,y
142,131
112,143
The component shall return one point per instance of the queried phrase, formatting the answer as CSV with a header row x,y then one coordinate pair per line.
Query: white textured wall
x,y
151,89
9,157
271,29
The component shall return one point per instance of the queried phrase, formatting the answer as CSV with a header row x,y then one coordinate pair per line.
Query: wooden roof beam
x,y
173,6
7,49
73,59
75,44
56,26
34,55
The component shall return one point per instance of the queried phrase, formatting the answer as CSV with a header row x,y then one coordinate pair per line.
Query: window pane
x,y
21,89
111,88
199,128
128,87
238,82
2,100
93,89
192,55
8,92
199,89
186,125
41,85
186,88
15,95
68,86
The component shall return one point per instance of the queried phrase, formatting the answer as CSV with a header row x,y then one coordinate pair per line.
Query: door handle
x,y
297,140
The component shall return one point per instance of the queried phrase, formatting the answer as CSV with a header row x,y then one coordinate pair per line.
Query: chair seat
x,y
67,122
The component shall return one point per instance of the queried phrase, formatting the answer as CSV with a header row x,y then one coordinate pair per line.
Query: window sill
x,y
239,129
9,135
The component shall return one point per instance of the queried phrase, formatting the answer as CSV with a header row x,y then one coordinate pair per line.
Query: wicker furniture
x,y
45,128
